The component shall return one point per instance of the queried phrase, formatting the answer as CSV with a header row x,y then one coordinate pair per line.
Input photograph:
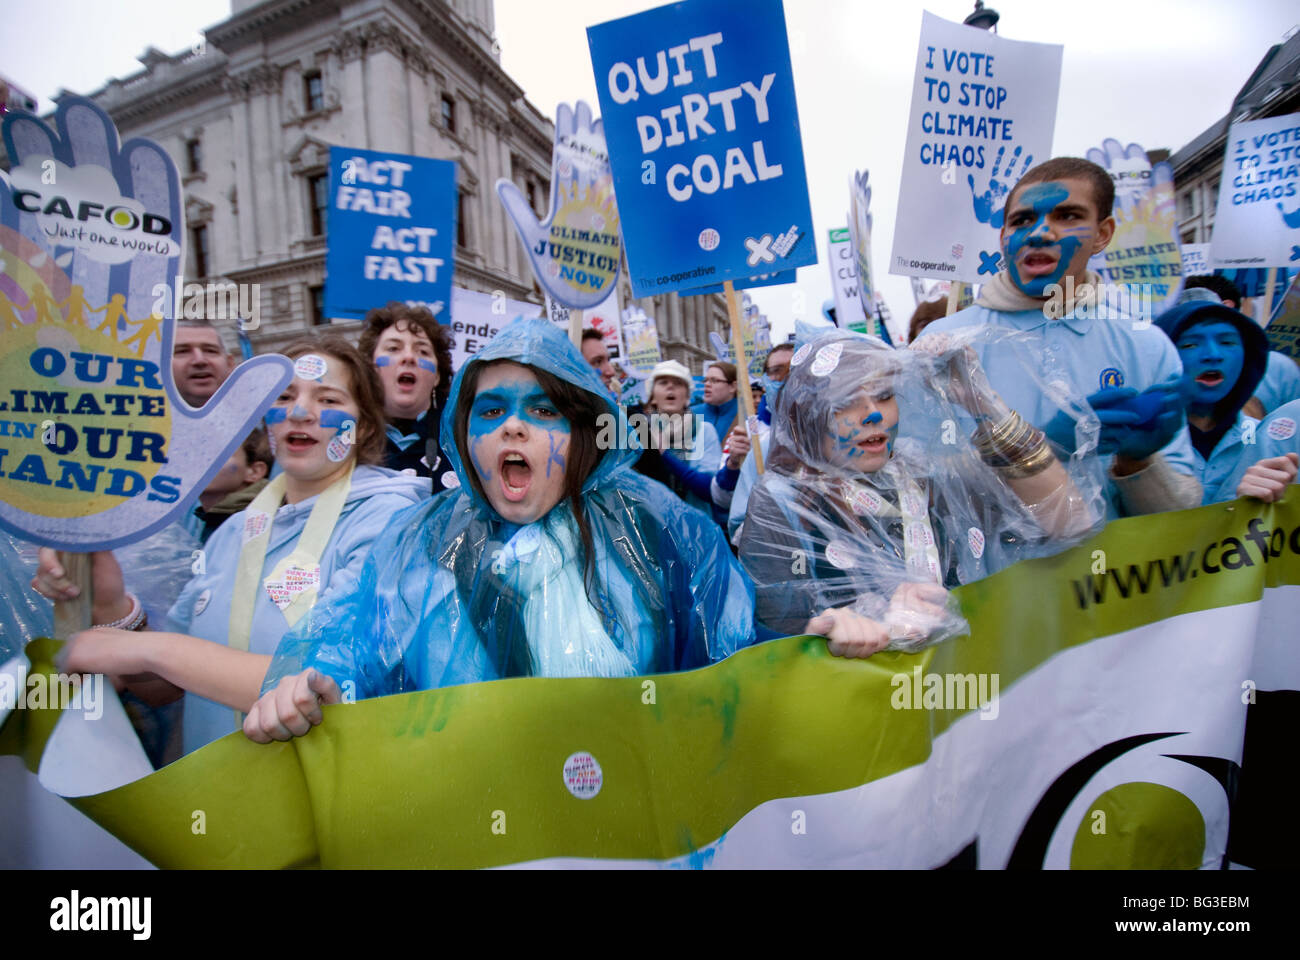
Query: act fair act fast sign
x,y
698,105
392,223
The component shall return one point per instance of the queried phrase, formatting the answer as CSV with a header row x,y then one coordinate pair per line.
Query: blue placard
x,y
703,132
392,227
763,280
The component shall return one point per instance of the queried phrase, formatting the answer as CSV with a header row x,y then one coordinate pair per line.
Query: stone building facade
x,y
250,113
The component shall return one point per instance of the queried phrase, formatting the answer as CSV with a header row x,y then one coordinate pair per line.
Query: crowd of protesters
x,y
395,527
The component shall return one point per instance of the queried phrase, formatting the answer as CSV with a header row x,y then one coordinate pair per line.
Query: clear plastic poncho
x,y
452,593
822,532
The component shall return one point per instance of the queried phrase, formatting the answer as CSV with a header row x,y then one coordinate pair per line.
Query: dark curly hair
x,y
415,318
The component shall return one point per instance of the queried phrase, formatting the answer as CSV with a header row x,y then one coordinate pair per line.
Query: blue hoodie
x,y
1217,472
452,593
203,608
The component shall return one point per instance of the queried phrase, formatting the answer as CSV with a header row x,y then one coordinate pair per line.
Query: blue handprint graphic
x,y
91,224
576,252
989,204
1291,219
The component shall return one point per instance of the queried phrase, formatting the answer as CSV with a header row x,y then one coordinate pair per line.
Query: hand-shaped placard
x,y
97,447
1144,254
576,251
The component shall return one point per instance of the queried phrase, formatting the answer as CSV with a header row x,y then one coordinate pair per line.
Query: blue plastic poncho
x,y
453,593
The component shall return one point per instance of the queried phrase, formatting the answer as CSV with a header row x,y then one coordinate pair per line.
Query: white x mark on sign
x,y
760,250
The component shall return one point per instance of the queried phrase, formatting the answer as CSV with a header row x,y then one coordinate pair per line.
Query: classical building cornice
x,y
267,20
443,25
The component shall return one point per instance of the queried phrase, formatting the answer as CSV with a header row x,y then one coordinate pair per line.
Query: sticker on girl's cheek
x,y
827,359
975,537
337,449
310,367
270,440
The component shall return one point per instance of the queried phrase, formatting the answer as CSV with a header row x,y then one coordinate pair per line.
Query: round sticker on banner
x,y
865,503
310,367
339,445
709,239
1283,428
201,602
450,480
840,554
827,359
975,537
582,775
800,355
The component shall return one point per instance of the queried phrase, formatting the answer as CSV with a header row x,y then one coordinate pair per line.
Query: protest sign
x,y
1126,693
392,229
575,252
860,229
1196,259
477,317
983,109
1257,222
97,447
844,279
642,339
757,339
604,317
1283,330
1143,257
698,104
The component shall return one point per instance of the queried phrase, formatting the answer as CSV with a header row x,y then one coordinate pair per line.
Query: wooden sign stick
x,y
742,368
71,616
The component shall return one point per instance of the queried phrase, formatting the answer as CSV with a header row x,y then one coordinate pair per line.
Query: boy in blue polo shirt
x,y
1056,217
1279,456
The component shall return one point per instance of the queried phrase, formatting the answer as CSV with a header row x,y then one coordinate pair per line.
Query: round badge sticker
x,y
450,480
310,367
1283,428
582,775
201,602
827,359
255,524
840,555
918,535
800,355
709,239
911,505
337,449
975,537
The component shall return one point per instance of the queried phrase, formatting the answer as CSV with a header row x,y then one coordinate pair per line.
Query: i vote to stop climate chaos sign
x,y
392,226
97,447
700,118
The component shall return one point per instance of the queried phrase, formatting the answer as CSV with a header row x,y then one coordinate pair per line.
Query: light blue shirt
x,y
1086,354
203,608
1281,383
1236,450
744,486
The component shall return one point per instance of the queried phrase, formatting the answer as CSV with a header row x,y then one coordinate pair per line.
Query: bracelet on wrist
x,y
134,620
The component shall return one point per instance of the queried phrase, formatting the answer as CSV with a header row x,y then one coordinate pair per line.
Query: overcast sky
x,y
1156,72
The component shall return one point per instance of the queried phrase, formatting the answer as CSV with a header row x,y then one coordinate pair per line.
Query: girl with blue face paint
x,y
554,558
308,530
873,506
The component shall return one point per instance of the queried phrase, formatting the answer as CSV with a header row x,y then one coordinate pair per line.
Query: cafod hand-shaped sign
x,y
97,448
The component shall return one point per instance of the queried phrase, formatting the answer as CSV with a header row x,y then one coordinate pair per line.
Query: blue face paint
x,y
1042,199
426,364
336,419
523,400
275,415
555,456
1208,349
383,361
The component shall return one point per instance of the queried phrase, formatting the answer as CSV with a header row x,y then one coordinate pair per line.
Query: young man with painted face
x,y
1224,354
1039,314
411,352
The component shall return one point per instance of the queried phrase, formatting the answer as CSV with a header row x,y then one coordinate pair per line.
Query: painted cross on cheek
x,y
556,455
1030,238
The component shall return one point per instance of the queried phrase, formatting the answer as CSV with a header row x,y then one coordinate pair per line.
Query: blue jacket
x,y
720,417
203,608
452,593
